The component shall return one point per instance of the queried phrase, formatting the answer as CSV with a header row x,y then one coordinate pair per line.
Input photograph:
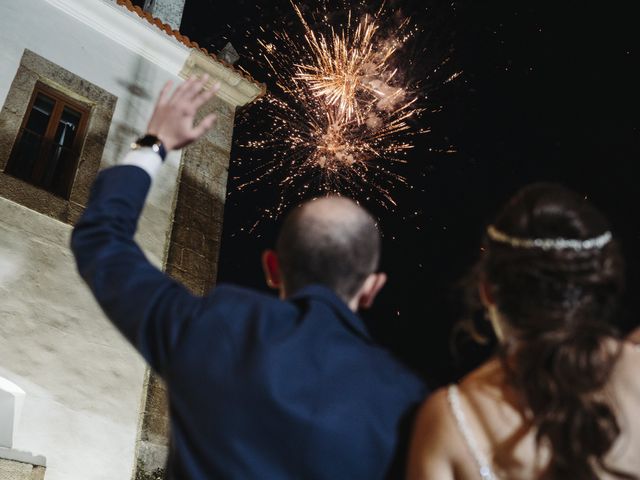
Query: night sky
x,y
549,91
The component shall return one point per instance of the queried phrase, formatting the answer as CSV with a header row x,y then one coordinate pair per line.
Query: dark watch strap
x,y
153,142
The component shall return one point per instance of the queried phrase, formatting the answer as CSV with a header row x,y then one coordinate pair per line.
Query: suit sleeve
x,y
147,306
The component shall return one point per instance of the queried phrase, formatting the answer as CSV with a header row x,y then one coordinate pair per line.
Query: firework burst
x,y
351,70
342,112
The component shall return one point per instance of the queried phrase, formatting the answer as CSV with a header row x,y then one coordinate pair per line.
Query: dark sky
x,y
549,92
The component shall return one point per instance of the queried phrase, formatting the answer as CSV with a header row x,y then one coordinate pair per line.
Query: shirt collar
x,y
328,296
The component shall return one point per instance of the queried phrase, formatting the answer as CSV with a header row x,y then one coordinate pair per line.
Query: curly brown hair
x,y
560,305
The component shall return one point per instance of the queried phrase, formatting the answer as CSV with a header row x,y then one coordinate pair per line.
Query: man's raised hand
x,y
174,115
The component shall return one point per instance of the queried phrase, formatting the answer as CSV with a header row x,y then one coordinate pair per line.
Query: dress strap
x,y
453,396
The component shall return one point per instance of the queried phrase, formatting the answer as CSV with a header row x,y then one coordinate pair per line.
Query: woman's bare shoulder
x,y
434,418
432,446
627,370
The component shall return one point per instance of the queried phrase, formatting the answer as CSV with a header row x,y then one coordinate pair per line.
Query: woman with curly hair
x,y
561,399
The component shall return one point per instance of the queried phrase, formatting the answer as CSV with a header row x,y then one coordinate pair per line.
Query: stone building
x,y
77,85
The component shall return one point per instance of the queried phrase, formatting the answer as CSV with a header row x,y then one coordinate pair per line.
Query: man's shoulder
x,y
226,295
397,373
379,370
231,290
237,305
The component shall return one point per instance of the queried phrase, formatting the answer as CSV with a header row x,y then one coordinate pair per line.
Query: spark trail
x,y
342,113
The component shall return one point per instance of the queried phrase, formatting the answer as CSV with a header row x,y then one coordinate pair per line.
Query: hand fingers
x,y
163,98
206,123
184,92
195,87
178,93
205,95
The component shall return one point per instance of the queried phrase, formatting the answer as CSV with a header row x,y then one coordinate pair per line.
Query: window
x,y
48,144
54,127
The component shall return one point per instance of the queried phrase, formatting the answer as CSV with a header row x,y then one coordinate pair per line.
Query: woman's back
x,y
562,400
502,431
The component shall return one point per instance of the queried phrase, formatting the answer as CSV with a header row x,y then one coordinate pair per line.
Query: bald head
x,y
329,241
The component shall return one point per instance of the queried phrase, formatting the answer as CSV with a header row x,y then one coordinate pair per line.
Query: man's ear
x,y
372,285
271,267
486,297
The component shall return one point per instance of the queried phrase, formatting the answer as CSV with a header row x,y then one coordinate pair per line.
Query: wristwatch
x,y
152,142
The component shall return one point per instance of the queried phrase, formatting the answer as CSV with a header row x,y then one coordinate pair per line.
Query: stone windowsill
x,y
22,457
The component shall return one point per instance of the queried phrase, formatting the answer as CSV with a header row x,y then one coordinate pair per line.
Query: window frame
x,y
34,68
61,101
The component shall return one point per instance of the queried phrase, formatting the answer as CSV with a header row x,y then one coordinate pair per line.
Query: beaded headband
x,y
549,243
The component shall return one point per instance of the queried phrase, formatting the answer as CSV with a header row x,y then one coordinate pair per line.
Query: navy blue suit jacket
x,y
259,388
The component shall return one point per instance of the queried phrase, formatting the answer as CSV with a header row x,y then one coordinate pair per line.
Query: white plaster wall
x,y
83,381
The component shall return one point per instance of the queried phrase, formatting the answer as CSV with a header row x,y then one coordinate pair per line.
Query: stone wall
x,y
192,258
17,465
169,11
10,470
84,383
35,69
